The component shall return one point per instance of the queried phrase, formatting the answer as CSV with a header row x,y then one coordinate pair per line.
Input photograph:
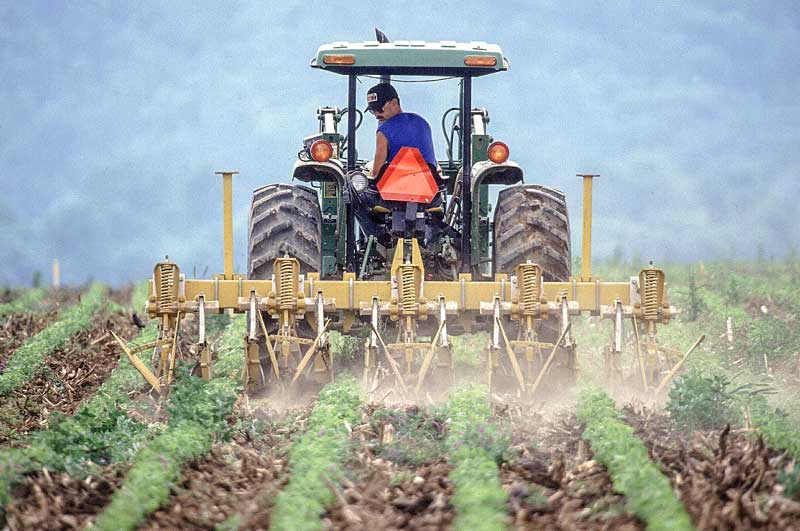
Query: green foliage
x,y
648,492
468,348
771,337
322,449
198,412
790,479
419,437
698,402
141,290
29,301
479,499
709,402
148,483
99,432
344,347
776,427
28,359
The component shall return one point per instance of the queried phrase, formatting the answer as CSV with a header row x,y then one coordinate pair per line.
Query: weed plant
x,y
198,413
29,301
479,498
419,437
648,492
315,458
28,358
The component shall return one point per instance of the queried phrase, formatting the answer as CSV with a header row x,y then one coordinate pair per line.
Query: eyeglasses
x,y
374,112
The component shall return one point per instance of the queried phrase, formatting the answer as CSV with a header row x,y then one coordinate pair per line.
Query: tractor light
x,y
358,181
497,152
321,151
338,59
480,60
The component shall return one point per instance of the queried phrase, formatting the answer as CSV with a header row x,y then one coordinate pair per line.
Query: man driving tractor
x,y
396,130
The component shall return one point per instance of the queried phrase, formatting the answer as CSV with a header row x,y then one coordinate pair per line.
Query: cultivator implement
x,y
281,310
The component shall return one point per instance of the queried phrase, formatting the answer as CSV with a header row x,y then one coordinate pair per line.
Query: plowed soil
x,y
726,480
69,376
554,484
239,478
58,502
386,495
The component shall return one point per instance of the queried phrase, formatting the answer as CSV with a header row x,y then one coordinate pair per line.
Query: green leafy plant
x,y
29,301
419,436
312,458
198,411
99,432
28,358
789,477
478,498
709,402
648,492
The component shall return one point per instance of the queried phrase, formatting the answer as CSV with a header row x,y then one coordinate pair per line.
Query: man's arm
x,y
381,153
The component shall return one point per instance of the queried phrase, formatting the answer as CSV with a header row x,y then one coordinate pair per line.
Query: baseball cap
x,y
378,95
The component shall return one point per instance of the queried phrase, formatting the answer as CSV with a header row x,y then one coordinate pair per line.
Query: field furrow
x,y
28,359
553,482
727,479
68,376
198,414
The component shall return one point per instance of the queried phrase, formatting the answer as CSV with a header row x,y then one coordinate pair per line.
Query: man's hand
x,y
381,153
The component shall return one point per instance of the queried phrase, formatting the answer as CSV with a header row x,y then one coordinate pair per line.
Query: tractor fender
x,y
488,172
310,171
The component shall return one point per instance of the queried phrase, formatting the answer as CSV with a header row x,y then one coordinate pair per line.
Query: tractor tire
x,y
284,219
531,222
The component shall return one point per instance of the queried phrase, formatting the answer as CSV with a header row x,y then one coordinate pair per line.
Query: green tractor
x,y
315,223
502,268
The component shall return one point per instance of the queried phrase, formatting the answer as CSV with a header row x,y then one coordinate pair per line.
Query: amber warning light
x,y
480,60
339,59
497,152
321,151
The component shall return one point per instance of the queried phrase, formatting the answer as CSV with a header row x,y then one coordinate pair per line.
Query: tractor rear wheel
x,y
531,222
284,219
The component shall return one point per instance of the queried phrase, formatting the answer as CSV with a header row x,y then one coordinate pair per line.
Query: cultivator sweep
x,y
417,270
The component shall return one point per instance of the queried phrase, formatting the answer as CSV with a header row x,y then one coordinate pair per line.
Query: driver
x,y
396,129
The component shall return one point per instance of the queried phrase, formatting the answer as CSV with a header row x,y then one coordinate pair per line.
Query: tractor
x,y
503,268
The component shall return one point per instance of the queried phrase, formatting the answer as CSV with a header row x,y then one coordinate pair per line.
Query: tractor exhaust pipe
x,y
227,221
586,244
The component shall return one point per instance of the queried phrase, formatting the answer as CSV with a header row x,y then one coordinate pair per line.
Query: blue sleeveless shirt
x,y
408,130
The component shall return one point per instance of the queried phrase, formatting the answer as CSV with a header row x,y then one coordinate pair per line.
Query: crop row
x,y
475,446
323,449
28,301
648,491
198,412
28,359
99,433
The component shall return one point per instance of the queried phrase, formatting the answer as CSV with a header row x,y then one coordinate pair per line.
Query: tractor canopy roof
x,y
444,58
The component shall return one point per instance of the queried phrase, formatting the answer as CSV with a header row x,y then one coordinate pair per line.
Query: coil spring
x,y
407,290
286,292
166,287
650,298
529,287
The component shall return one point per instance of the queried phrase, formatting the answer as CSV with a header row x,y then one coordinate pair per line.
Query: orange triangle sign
x,y
408,178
